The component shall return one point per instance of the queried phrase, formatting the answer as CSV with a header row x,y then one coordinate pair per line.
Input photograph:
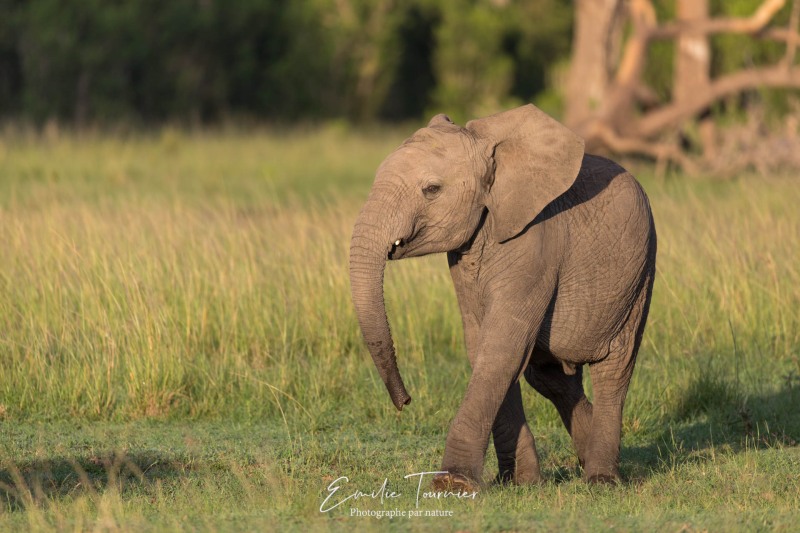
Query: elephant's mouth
x,y
403,246
395,250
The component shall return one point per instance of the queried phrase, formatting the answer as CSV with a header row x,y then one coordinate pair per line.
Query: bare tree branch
x,y
753,24
661,152
791,43
624,124
778,34
643,15
646,95
669,116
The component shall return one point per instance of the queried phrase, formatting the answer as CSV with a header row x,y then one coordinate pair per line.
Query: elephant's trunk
x,y
369,249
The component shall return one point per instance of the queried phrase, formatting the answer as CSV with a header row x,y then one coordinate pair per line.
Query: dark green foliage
x,y
414,74
201,61
184,59
10,67
90,61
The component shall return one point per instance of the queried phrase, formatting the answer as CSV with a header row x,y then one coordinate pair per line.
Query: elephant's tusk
x,y
397,242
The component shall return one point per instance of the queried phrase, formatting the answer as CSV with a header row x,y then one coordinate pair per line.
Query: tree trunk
x,y
593,47
692,69
693,55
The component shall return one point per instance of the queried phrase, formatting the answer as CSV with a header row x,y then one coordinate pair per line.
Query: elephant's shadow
x,y
713,417
31,483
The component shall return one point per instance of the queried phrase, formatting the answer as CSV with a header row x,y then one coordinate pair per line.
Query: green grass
x,y
178,349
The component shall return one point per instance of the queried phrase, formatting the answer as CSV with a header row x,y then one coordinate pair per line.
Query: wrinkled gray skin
x,y
552,253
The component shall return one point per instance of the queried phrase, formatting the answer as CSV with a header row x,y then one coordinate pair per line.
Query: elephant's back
x,y
609,251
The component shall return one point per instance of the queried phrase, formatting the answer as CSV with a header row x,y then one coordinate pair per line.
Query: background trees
x,y
711,64
201,60
652,77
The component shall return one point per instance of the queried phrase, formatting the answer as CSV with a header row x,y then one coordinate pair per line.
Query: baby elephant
x,y
553,255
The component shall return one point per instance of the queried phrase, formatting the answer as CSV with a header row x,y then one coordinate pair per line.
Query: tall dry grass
x,y
205,276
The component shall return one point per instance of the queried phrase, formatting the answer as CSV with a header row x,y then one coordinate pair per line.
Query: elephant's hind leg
x,y
610,380
514,442
565,391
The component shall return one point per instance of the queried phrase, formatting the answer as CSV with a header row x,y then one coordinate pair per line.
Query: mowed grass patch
x,y
223,476
192,288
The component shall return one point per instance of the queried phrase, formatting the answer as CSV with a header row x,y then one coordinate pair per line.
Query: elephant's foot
x,y
528,477
519,475
596,474
598,471
508,478
503,478
453,482
580,429
603,479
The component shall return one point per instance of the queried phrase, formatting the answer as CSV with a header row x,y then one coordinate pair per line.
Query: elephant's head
x,y
430,194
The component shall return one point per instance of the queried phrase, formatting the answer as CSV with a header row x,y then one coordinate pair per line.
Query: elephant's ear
x,y
536,159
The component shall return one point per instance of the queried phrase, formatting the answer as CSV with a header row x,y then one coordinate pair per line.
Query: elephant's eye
x,y
431,190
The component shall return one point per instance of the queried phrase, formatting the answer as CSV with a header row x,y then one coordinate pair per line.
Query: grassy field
x,y
178,350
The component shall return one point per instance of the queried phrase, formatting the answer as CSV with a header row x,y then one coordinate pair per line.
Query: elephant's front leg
x,y
516,449
504,341
513,440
